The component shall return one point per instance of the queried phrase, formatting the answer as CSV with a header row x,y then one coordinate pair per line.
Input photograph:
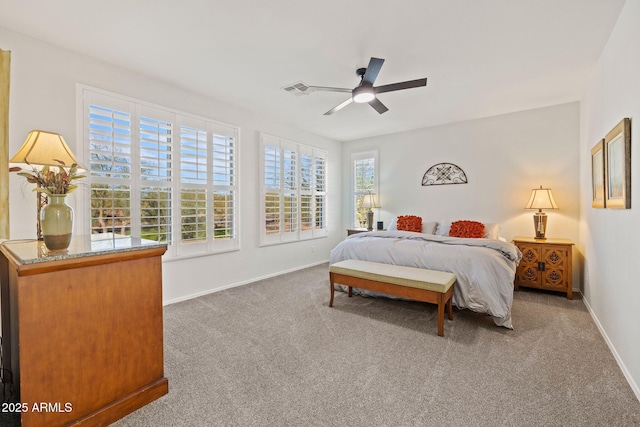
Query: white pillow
x,y
491,230
427,227
443,228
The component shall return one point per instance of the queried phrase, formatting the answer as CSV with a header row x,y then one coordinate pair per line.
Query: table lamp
x,y
370,201
541,198
40,149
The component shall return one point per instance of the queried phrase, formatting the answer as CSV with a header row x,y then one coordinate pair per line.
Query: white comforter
x,y
484,268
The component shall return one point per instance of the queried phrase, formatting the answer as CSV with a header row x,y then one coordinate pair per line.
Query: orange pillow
x,y
470,229
409,223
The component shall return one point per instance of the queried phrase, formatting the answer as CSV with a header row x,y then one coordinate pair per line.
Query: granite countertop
x,y
34,251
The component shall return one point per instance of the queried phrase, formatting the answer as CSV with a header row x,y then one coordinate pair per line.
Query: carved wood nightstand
x,y
351,231
545,264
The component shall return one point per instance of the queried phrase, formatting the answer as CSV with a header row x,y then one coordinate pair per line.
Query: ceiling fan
x,y
365,91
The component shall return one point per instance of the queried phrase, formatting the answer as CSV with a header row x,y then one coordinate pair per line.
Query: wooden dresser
x,y
545,264
82,329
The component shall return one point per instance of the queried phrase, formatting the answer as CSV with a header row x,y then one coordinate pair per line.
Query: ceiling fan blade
x,y
331,89
372,70
339,107
399,86
378,106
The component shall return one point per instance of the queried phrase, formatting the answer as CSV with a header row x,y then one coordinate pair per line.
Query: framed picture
x,y
617,148
598,175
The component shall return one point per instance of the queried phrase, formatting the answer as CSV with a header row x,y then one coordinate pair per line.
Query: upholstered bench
x,y
419,284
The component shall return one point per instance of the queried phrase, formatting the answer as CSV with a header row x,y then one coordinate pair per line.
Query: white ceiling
x,y
481,57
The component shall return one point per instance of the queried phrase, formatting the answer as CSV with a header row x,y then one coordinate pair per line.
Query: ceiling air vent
x,y
299,88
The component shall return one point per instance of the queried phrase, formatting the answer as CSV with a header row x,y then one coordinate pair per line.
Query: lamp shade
x,y
541,198
43,148
370,200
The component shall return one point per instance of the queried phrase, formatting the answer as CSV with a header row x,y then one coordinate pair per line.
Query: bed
x,y
484,267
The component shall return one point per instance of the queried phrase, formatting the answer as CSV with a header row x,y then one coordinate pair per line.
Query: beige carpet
x,y
273,353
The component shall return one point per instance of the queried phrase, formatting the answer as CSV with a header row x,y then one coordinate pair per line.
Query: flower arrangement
x,y
51,182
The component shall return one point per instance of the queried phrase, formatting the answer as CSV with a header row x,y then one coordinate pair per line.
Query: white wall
x,y
609,237
43,96
504,157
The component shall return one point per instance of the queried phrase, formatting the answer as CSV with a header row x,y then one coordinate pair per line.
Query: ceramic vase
x,y
56,220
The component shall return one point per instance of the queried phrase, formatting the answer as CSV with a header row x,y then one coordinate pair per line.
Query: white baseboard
x,y
245,282
623,367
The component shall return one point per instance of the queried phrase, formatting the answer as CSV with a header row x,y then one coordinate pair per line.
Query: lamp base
x,y
41,201
540,223
369,220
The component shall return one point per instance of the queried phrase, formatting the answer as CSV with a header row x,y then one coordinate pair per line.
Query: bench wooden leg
x,y
441,305
450,307
350,291
332,289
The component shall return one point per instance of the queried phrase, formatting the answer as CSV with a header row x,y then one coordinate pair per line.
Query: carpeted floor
x,y
273,353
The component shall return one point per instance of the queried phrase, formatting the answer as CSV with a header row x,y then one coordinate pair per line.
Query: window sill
x,y
172,258
263,244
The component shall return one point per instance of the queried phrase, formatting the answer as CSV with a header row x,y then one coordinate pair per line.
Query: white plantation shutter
x,y
293,201
156,150
224,182
271,193
320,191
193,183
193,155
161,174
290,193
156,173
306,192
223,214
193,215
110,142
110,168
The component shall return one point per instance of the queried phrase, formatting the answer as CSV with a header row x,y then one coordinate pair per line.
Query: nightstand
x,y
545,264
351,231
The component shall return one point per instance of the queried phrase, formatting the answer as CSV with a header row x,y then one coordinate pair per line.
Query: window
x,y
294,193
160,174
365,180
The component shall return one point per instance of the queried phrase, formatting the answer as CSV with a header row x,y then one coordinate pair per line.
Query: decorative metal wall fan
x,y
365,91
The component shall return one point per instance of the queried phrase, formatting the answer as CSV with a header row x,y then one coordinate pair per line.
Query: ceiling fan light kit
x,y
365,92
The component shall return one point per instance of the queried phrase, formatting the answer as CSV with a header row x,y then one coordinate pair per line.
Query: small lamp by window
x,y
541,198
370,201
